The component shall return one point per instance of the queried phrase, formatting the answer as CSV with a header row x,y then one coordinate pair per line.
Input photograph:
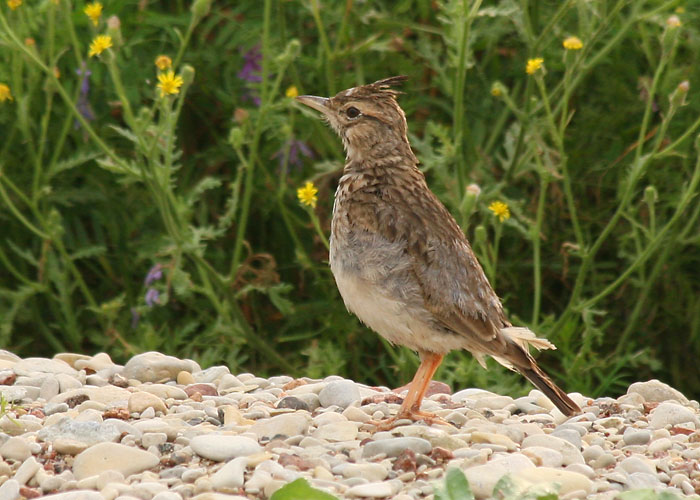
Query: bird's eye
x,y
352,112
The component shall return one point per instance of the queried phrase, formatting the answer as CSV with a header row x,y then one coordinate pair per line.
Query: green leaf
x,y
456,487
646,495
300,490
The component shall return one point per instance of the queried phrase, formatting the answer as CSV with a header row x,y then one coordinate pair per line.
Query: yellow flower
x,y
5,93
13,4
533,65
169,83
93,11
500,210
56,72
163,62
99,44
307,194
292,92
573,43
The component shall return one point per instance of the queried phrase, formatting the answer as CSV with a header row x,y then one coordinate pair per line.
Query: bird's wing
x,y
453,284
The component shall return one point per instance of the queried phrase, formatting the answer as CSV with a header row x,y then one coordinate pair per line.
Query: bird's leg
x,y
410,408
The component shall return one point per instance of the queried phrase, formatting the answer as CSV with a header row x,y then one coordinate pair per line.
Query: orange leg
x,y
410,408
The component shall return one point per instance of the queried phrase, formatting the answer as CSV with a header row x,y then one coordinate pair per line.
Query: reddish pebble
x,y
26,492
203,389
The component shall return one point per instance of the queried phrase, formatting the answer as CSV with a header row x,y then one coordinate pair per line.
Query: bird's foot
x,y
414,416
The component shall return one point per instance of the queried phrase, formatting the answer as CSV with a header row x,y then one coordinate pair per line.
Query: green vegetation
x,y
148,210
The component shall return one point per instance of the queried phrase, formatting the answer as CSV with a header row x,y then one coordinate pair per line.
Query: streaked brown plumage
x,y
401,262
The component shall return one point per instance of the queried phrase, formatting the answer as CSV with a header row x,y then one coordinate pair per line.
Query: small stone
x,y
49,388
15,448
156,367
26,471
371,472
542,456
9,490
140,401
341,393
294,403
571,435
153,439
671,414
373,490
105,456
483,478
354,414
659,446
570,453
68,446
30,366
654,391
220,447
394,446
203,389
86,432
568,481
637,464
490,437
164,391
78,495
98,362
231,474
634,436
287,424
185,378
337,431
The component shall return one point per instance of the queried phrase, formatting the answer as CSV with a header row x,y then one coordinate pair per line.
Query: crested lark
x,y
401,262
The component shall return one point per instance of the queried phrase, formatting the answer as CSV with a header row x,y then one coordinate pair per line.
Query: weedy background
x,y
133,221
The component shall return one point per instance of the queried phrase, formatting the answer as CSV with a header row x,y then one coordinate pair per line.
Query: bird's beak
x,y
317,103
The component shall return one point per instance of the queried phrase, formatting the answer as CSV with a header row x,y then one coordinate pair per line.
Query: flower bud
x,y
187,74
236,137
199,9
480,234
678,96
651,195
114,29
498,89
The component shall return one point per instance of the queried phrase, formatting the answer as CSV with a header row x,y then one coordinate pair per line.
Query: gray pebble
x,y
341,393
394,446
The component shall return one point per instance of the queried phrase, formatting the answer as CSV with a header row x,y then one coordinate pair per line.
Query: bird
x,y
401,262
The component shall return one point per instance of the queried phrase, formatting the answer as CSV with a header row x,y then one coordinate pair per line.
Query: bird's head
x,y
367,118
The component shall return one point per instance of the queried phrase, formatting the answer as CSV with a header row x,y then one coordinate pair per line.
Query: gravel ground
x,y
83,428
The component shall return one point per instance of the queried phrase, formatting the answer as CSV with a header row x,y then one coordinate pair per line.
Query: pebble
x,y
169,430
483,478
654,391
671,414
341,393
634,436
9,490
112,456
220,447
16,448
394,446
231,474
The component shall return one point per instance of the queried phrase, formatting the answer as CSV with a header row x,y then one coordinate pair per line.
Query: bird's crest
x,y
379,88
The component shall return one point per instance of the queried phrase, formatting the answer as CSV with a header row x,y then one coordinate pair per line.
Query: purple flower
x,y
251,66
152,296
154,274
295,148
83,104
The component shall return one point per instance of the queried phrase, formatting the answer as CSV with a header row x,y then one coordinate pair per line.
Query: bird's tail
x,y
518,358
545,384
